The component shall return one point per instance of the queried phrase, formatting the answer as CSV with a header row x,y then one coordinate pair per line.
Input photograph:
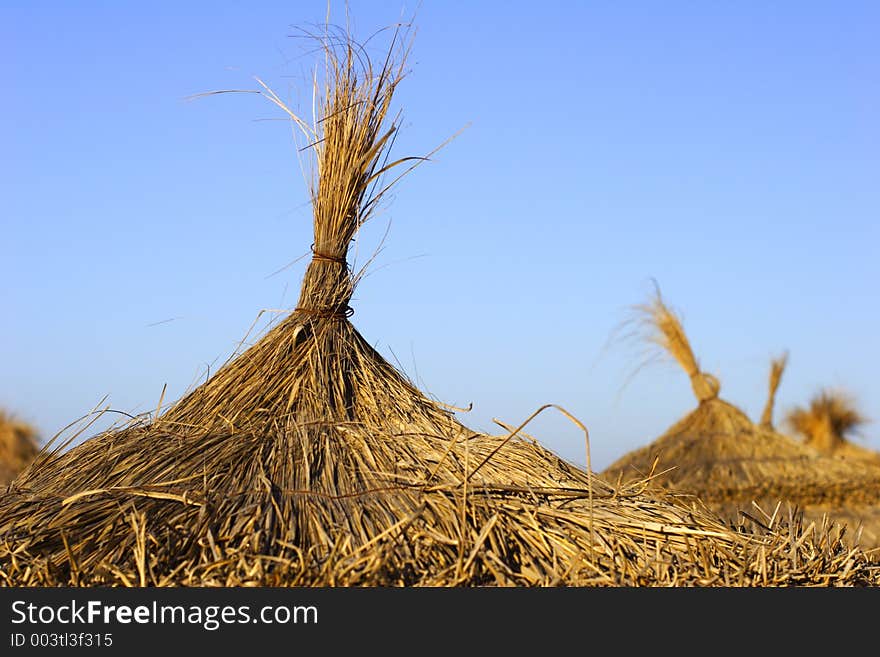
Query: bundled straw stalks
x,y
828,424
309,460
777,367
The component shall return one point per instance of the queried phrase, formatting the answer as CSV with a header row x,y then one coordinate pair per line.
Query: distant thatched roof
x,y
18,447
308,459
828,422
717,453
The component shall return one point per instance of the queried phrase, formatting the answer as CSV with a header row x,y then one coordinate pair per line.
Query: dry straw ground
x,y
719,455
308,460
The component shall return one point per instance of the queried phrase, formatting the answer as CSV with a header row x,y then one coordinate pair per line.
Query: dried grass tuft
x,y
777,368
829,422
663,327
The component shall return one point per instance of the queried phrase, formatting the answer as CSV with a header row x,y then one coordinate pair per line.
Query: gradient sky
x,y
728,150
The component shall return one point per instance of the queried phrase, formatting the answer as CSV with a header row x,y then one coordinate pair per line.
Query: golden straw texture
x,y
308,460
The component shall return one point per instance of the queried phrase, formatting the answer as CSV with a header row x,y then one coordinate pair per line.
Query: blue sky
x,y
727,150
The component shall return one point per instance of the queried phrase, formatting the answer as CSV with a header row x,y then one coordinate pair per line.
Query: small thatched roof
x,y
18,447
828,424
718,454
308,459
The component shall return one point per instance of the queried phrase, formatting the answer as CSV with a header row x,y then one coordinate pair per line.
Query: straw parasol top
x,y
717,453
828,423
777,368
308,459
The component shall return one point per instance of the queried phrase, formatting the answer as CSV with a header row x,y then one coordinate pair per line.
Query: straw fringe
x,y
719,455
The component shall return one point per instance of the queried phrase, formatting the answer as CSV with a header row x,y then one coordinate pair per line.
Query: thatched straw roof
x,y
308,459
18,447
718,454
828,424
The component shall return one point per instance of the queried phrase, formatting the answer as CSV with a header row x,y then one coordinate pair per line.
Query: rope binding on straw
x,y
705,386
339,311
326,257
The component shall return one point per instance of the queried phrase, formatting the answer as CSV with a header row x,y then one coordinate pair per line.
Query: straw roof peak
x,y
720,455
777,368
663,327
829,420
